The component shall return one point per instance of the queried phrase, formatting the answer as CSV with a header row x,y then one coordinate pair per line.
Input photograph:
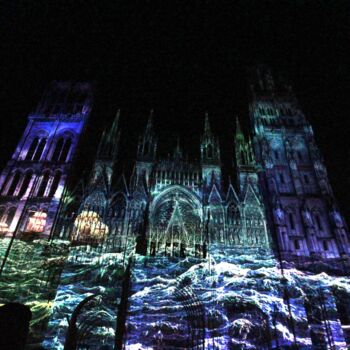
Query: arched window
x,y
325,245
296,244
318,222
43,184
14,183
10,215
291,221
65,150
55,183
39,150
32,148
25,183
58,149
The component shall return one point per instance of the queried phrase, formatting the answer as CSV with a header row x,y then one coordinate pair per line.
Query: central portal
x,y
176,224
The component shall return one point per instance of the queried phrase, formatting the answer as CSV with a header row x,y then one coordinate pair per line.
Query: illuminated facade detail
x,y
89,227
36,222
34,179
187,207
303,211
172,257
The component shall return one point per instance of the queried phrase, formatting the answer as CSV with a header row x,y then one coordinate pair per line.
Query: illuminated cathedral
x,y
173,256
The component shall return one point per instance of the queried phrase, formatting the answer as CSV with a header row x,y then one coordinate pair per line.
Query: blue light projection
x,y
169,258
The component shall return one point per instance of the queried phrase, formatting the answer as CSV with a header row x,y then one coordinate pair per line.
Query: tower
x,y
246,166
107,152
210,160
301,203
34,180
146,152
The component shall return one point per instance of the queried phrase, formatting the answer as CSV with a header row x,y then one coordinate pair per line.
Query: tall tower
x,y
210,160
107,153
246,167
34,180
146,152
303,210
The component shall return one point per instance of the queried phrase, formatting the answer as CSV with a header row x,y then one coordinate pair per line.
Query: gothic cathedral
x,y
175,256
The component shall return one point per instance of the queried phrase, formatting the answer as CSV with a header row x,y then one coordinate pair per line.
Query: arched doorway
x,y
176,223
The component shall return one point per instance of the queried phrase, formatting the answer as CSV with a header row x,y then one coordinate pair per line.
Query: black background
x,y
181,58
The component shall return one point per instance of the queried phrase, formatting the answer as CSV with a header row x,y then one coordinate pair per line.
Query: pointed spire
x,y
150,121
109,141
178,151
239,133
113,131
207,130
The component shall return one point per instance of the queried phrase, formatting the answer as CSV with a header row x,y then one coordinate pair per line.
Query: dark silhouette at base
x,y
14,326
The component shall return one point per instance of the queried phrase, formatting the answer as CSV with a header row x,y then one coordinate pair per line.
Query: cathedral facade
x,y
172,206
174,256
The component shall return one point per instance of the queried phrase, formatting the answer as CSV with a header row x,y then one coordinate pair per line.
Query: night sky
x,y
180,58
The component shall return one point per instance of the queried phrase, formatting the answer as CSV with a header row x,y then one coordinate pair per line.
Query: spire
x,y
149,126
207,130
178,151
108,146
210,150
113,132
147,145
239,133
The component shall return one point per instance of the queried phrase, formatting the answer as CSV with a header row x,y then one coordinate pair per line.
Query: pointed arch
x,y
58,149
65,150
32,148
55,183
14,183
39,150
214,196
43,184
25,183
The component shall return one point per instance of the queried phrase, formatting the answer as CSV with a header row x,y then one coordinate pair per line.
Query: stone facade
x,y
33,181
303,213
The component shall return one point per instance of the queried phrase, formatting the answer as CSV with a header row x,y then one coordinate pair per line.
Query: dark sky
x,y
180,58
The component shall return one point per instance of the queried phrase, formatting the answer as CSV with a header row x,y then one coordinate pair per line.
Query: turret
x,y
210,149
178,151
146,152
210,159
246,166
106,154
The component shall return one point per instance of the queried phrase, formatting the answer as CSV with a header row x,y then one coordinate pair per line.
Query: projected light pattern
x,y
169,258
245,299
